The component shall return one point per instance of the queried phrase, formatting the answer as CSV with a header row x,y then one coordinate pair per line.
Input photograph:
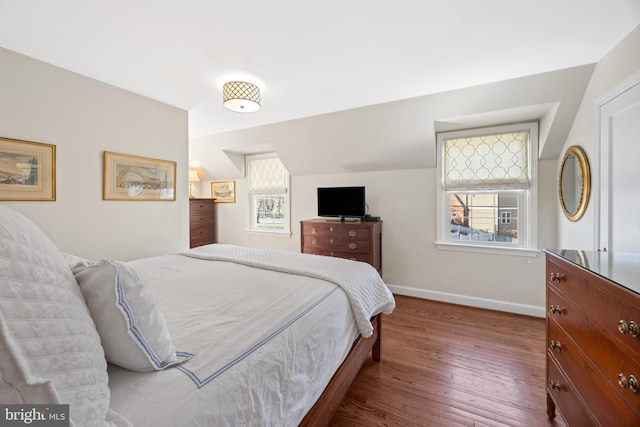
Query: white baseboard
x,y
510,307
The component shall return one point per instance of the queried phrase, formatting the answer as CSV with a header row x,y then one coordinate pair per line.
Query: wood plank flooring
x,y
450,365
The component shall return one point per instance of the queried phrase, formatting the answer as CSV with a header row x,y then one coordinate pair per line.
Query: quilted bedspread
x,y
367,293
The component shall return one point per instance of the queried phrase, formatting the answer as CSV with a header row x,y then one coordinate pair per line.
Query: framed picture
x,y
223,191
129,177
27,170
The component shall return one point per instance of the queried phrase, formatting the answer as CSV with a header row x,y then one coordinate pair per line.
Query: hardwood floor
x,y
450,365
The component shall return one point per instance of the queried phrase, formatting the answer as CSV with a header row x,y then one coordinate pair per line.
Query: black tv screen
x,y
343,202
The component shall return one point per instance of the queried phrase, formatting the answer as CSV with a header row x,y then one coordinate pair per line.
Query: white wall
x,y
616,66
82,118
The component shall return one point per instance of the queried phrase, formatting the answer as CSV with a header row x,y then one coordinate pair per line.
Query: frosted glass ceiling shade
x,y
241,97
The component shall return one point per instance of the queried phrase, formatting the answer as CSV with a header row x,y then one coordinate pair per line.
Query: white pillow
x,y
133,331
74,261
50,350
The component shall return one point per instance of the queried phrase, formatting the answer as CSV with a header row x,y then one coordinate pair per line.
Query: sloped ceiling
x,y
401,134
348,86
312,58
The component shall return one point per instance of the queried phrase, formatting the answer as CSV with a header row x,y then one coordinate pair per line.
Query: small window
x,y
505,218
487,193
268,182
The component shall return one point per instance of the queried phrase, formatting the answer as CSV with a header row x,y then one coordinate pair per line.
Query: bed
x,y
217,335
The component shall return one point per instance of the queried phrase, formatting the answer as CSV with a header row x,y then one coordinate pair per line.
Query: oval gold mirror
x,y
574,183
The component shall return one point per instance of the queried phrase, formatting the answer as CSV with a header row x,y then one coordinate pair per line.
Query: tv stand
x,y
356,240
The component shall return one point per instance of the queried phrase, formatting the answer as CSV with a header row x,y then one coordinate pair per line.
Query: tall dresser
x,y
593,337
356,240
202,222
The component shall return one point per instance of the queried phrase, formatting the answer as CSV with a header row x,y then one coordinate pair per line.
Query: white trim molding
x,y
506,306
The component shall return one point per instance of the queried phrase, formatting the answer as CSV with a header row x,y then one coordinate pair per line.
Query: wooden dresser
x,y
593,337
360,241
202,224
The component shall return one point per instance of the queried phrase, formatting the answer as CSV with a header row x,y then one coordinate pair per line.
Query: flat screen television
x,y
342,202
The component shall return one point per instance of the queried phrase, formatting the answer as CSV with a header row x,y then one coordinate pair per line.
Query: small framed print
x,y
27,170
223,191
128,177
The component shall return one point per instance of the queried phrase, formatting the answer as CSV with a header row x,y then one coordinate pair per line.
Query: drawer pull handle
x,y
352,246
631,327
634,329
555,385
314,242
353,259
314,231
556,309
555,277
556,345
352,233
630,382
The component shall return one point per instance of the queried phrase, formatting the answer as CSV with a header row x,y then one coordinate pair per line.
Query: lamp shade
x,y
193,175
241,97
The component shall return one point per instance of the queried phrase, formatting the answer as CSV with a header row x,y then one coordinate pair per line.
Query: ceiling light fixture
x,y
241,97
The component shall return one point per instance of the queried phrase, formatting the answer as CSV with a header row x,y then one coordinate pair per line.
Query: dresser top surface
x,y
619,267
333,221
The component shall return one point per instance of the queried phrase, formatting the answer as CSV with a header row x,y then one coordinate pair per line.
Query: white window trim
x,y
527,216
287,225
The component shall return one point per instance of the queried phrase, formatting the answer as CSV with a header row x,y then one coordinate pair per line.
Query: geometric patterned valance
x,y
487,162
267,176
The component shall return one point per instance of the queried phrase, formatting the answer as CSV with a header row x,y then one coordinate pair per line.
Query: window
x,y
268,182
487,189
505,218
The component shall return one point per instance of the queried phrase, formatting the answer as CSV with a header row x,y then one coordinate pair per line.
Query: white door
x,y
617,221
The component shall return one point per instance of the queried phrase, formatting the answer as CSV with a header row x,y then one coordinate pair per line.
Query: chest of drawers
x,y
593,347
202,229
360,241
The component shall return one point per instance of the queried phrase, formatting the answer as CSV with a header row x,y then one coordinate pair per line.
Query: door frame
x,y
602,161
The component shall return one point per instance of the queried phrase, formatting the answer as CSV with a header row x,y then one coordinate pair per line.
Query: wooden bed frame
x,y
326,406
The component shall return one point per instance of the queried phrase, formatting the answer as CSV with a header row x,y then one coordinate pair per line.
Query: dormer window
x,y
487,188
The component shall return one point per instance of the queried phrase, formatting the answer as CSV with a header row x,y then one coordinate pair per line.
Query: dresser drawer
x,y
201,233
195,242
611,311
565,397
338,245
197,207
348,232
354,256
200,219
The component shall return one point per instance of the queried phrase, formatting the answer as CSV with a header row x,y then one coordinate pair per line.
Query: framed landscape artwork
x,y
223,191
27,170
129,177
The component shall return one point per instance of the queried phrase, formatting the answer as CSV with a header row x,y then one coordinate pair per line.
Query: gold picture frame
x,y
27,170
127,177
223,191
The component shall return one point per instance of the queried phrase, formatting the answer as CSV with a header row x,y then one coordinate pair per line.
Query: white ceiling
x,y
310,59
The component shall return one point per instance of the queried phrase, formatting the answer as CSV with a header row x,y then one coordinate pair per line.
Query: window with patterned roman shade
x,y
267,176
268,183
496,161
487,195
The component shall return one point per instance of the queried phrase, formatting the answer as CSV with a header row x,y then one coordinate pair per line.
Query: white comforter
x,y
367,292
260,358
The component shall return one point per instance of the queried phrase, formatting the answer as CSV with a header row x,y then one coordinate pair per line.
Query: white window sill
x,y
269,233
485,249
